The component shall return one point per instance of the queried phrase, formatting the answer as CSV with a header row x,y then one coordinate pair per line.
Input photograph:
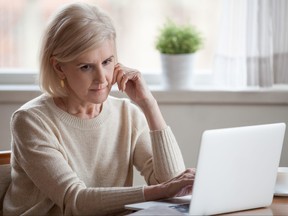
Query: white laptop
x,y
236,170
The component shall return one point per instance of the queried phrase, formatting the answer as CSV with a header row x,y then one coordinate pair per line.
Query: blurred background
x,y
137,22
245,50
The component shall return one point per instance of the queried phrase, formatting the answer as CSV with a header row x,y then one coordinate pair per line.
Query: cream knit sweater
x,y
64,165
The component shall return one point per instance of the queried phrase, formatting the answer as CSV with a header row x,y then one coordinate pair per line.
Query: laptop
x,y
236,170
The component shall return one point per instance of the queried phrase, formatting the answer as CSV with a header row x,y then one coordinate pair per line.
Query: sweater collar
x,y
80,123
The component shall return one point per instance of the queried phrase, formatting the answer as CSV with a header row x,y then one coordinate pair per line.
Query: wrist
x,y
153,115
155,192
148,104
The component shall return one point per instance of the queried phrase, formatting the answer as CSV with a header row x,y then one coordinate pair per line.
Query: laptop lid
x,y
237,169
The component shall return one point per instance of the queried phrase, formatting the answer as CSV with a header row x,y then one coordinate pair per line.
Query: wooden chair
x,y
5,175
5,157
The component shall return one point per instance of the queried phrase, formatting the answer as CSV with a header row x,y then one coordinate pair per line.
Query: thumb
x,y
114,79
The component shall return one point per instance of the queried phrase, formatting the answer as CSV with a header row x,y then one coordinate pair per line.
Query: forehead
x,y
102,52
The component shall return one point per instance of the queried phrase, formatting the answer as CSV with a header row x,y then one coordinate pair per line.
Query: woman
x,y
74,147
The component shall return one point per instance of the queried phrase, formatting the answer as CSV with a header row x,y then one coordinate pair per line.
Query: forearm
x,y
153,115
110,200
167,156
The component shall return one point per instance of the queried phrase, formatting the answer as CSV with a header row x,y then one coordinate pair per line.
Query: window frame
x,y
18,76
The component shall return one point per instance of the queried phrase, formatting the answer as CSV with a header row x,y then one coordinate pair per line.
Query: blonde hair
x,y
73,30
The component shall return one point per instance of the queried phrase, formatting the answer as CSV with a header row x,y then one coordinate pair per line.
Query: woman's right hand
x,y
180,185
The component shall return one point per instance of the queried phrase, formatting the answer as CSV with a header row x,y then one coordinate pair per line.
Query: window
x,y
136,21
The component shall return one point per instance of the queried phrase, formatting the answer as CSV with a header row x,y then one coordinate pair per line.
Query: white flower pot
x,y
177,70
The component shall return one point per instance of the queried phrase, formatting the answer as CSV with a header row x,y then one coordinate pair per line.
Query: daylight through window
x,y
136,21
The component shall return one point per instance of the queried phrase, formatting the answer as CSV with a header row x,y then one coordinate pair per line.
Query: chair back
x,y
5,175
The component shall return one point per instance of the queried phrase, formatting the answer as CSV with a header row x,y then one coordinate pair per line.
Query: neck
x,y
81,110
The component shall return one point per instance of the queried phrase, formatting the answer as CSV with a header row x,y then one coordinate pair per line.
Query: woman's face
x,y
89,77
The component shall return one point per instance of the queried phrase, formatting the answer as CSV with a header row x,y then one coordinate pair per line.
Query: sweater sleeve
x,y
168,160
37,151
158,156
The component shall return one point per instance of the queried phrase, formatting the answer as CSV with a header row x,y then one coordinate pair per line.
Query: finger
x,y
189,177
190,170
179,187
180,176
186,191
184,181
129,75
119,76
124,80
115,72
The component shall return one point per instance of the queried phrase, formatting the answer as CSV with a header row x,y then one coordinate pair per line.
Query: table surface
x,y
278,207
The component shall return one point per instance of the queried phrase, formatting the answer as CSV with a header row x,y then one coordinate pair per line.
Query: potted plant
x,y
177,45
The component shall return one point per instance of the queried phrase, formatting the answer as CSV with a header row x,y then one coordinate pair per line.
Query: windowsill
x,y
198,95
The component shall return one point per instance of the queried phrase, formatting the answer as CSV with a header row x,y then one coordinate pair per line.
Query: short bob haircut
x,y
74,29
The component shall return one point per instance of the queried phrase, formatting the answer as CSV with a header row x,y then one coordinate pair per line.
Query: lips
x,y
99,88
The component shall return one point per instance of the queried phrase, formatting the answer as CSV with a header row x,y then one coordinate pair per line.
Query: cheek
x,y
110,74
78,83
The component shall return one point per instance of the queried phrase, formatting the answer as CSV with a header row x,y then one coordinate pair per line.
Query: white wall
x,y
189,114
189,121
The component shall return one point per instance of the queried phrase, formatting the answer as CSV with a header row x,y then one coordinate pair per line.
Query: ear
x,y
57,68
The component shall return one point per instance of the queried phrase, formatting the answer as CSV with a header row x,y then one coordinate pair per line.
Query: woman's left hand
x,y
132,83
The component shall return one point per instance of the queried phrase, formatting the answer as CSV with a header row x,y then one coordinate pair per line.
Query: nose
x,y
100,78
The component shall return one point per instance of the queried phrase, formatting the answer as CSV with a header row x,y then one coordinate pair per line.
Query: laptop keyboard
x,y
183,208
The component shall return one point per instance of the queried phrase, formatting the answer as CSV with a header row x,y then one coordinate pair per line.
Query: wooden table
x,y
278,207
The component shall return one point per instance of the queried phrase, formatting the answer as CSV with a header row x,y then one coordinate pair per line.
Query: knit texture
x,y
65,165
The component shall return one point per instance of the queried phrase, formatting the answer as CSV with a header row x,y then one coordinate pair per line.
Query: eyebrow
x,y
112,56
78,63
109,57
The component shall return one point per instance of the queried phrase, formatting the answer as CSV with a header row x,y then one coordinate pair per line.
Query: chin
x,y
101,96
99,100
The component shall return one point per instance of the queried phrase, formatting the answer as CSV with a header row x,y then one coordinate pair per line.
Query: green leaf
x,y
178,39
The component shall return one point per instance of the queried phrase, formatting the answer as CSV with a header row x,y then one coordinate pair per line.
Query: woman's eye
x,y
85,68
107,61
